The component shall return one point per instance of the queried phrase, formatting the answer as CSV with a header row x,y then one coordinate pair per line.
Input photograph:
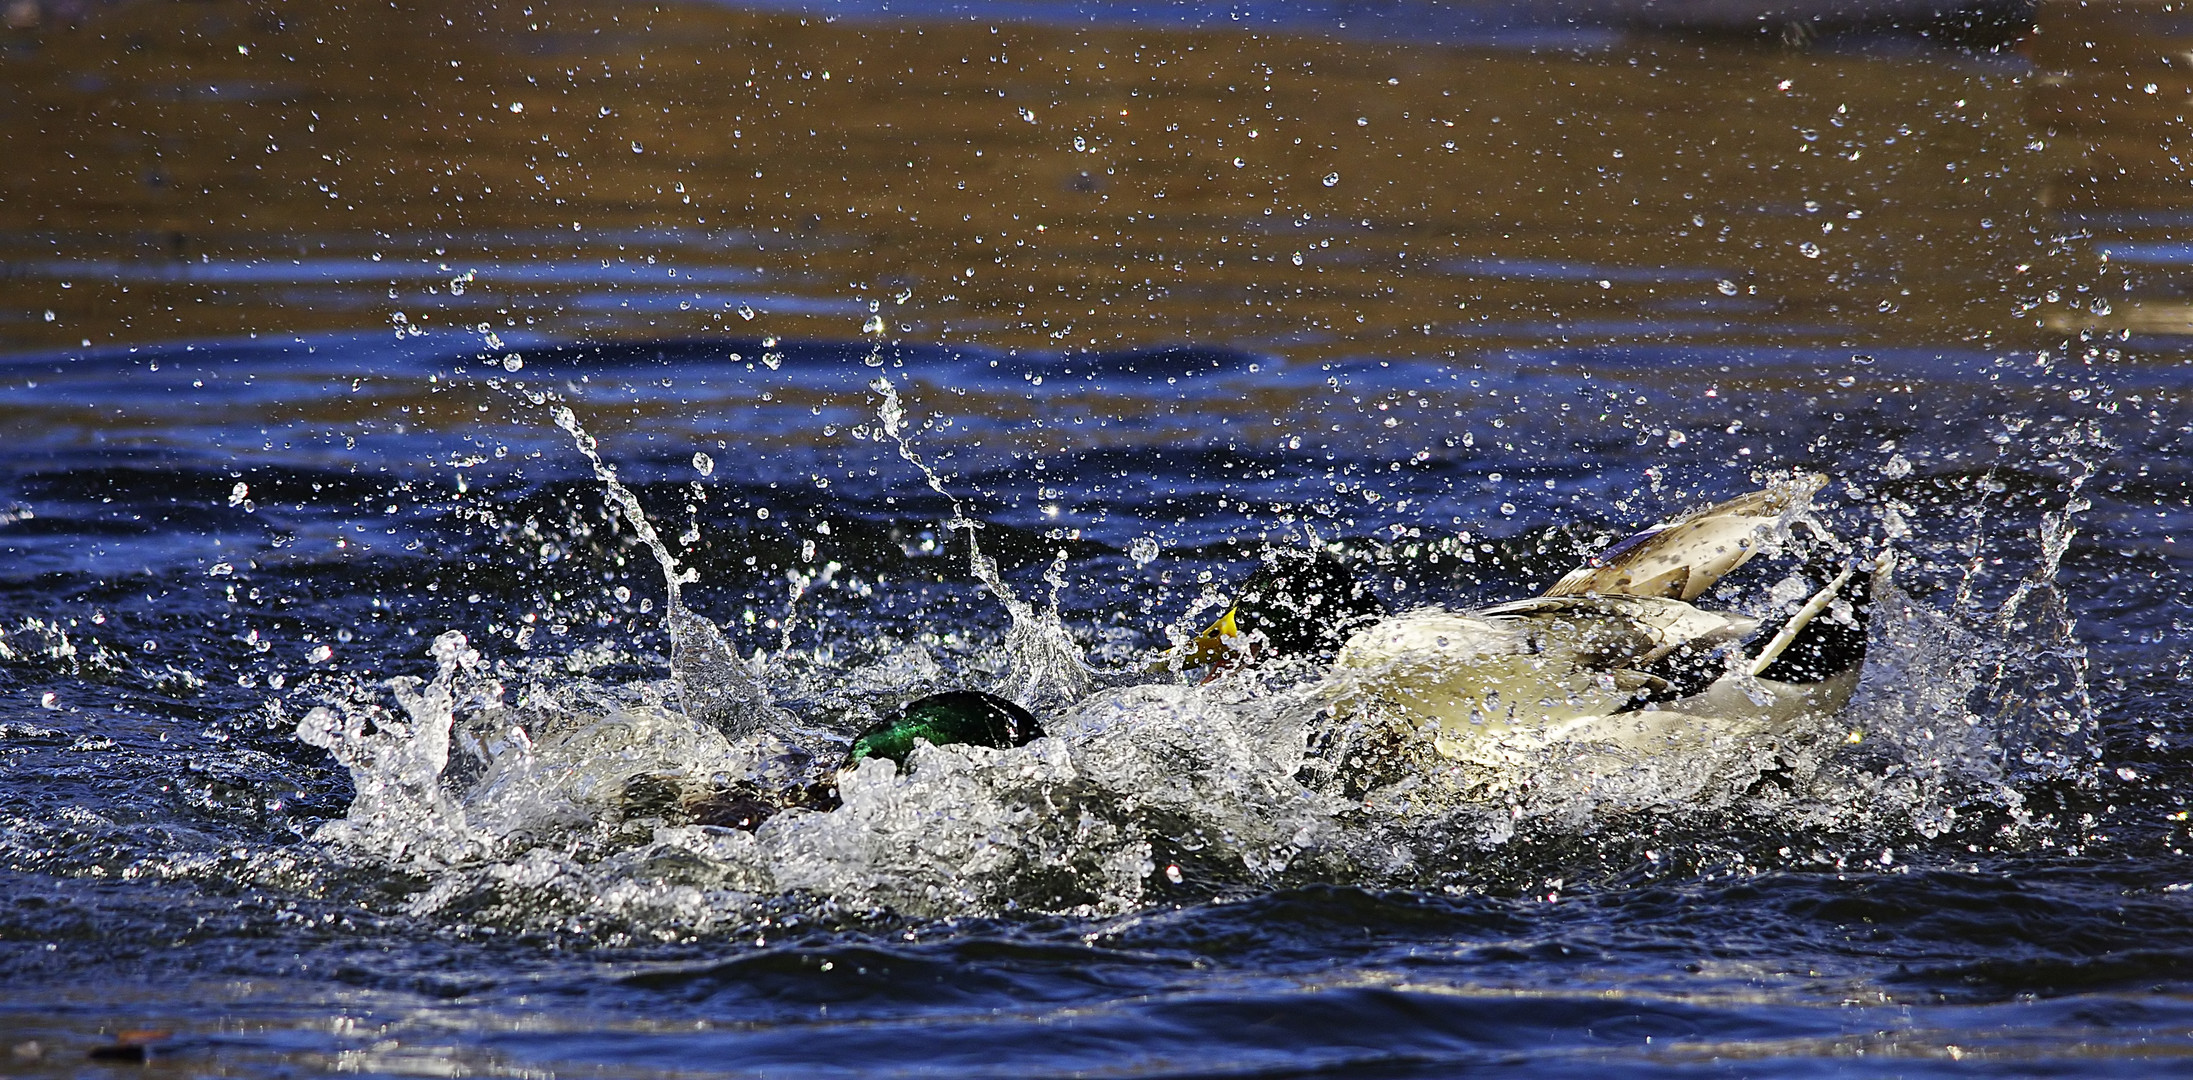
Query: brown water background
x,y
226,168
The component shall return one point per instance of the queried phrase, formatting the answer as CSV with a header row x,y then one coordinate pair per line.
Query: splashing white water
x,y
401,810
1045,668
573,806
715,684
2039,690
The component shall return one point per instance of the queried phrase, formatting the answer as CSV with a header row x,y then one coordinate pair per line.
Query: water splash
x,y
401,812
1137,793
1044,666
715,685
581,805
2038,691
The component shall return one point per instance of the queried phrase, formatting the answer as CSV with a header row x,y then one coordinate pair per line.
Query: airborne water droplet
x,y
704,464
1332,179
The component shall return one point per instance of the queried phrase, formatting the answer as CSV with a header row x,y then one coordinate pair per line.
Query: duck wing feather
x,y
1682,558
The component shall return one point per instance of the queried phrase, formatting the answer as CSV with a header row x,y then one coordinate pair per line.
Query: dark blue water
x,y
207,541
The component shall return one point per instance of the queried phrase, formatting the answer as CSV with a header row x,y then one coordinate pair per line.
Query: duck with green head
x,y
968,717
1298,602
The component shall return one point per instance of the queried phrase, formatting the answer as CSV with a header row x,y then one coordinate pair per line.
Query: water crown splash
x,y
401,808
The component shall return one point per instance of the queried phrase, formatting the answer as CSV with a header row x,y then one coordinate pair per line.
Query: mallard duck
x,y
955,716
1298,602
1614,654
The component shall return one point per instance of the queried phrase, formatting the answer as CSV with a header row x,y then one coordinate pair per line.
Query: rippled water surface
x,y
372,376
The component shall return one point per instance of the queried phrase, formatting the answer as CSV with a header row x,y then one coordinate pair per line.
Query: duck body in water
x,y
1614,656
1644,674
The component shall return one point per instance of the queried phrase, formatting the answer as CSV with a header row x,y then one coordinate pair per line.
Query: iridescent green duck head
x,y
1299,602
955,716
